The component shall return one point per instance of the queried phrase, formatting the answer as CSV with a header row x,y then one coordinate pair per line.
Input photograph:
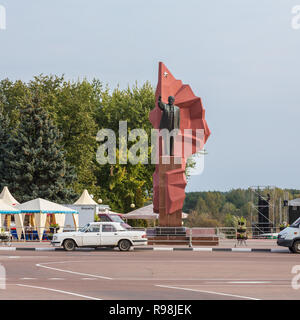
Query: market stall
x,y
45,213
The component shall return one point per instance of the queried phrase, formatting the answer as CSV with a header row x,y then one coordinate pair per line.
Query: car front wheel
x,y
291,249
69,245
296,246
124,245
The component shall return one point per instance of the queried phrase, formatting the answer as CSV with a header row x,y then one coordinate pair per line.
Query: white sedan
x,y
100,234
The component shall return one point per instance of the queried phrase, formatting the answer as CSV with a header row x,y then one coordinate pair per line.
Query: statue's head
x,y
171,100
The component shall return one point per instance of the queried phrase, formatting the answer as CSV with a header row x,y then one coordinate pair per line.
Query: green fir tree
x,y
35,163
4,137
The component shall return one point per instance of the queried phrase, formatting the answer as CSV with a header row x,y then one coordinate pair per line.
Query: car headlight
x,y
282,236
55,238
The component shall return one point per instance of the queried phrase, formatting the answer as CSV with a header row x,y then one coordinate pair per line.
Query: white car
x,y
100,234
290,237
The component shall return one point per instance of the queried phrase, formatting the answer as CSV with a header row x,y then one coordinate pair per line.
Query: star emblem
x,y
165,74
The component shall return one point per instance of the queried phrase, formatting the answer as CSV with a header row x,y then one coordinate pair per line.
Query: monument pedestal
x,y
166,219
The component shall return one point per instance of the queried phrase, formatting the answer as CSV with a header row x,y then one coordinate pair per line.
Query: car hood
x,y
284,231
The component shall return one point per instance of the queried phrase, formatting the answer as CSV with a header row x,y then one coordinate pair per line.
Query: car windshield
x,y
295,224
83,229
116,218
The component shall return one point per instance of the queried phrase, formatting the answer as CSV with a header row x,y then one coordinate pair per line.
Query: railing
x,y
182,236
190,236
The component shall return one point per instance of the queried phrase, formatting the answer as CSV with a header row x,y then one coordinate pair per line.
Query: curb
x,y
215,249
154,249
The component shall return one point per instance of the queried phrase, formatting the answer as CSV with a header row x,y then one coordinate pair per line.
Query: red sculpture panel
x,y
192,116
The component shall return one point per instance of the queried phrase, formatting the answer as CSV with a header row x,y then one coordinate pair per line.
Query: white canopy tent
x,y
85,198
6,209
7,197
41,207
87,208
146,213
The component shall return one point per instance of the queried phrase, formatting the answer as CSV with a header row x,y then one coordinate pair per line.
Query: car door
x,y
91,236
109,235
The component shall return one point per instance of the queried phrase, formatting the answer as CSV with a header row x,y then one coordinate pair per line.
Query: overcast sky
x,y
241,57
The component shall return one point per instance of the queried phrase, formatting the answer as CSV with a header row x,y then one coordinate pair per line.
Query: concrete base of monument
x,y
179,236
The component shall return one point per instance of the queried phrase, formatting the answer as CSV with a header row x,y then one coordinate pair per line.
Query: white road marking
x,y
87,279
8,248
59,291
209,292
56,279
249,282
162,249
28,278
194,279
14,257
73,272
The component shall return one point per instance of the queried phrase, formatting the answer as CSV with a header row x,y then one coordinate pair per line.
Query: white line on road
x,y
60,291
27,278
73,272
249,282
56,279
209,292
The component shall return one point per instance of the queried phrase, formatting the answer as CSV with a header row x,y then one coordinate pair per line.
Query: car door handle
x,y
116,234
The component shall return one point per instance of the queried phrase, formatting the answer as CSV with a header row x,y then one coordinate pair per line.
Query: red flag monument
x,y
169,179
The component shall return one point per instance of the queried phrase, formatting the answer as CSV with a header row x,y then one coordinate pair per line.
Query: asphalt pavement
x,y
140,275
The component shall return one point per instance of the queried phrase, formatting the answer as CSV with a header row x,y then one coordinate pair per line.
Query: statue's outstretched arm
x,y
160,104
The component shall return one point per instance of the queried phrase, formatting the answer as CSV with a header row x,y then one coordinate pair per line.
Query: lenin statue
x,y
170,120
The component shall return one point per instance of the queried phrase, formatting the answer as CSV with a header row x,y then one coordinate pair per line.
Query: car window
x,y
296,224
104,218
108,228
93,229
116,218
84,228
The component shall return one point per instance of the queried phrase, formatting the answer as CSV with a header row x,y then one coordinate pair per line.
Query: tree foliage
x,y
34,164
79,110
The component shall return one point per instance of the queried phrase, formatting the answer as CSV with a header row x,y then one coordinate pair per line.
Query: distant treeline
x,y
215,208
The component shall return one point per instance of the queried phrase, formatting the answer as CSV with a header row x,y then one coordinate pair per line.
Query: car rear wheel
x,y
69,245
124,245
296,246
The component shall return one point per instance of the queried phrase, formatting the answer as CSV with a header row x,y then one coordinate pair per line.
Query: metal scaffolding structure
x,y
258,192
